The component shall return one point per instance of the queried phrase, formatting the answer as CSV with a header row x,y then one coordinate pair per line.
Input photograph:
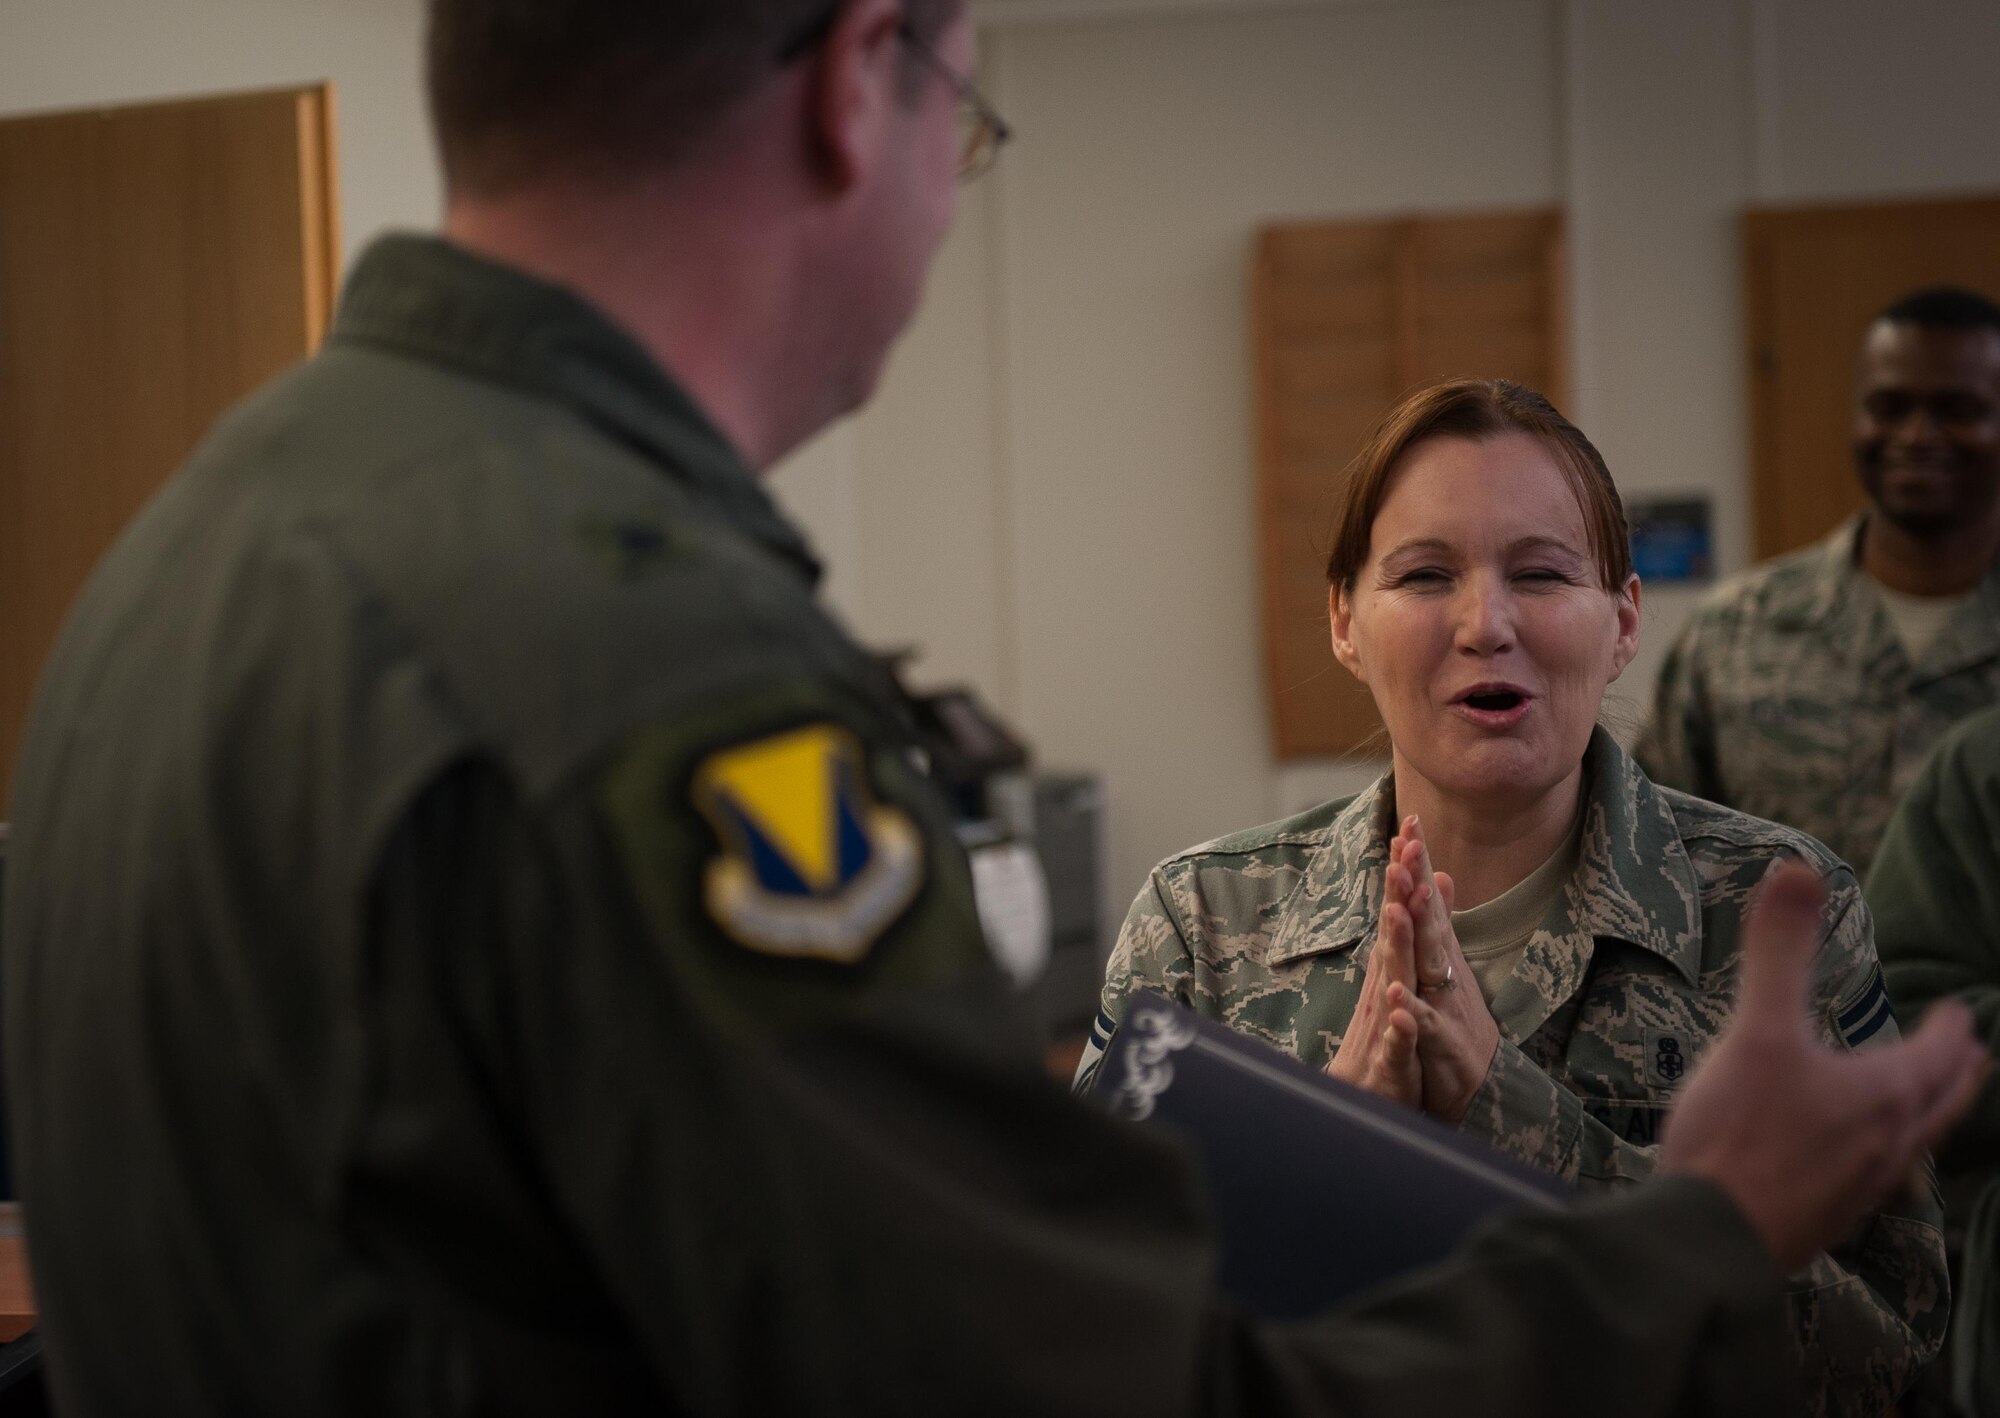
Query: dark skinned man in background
x,y
1811,690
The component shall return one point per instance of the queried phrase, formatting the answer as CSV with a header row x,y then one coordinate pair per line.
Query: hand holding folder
x,y
1320,1190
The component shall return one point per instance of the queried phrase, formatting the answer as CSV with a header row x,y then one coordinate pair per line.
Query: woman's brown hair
x,y
1477,410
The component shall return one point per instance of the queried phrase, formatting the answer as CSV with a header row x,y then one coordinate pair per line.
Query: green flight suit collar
x,y
1634,883
426,297
1841,601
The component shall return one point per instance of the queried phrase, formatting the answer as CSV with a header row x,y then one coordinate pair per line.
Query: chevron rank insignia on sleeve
x,y
811,866
1863,1018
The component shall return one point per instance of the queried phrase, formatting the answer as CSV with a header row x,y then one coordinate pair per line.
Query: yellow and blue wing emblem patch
x,y
811,865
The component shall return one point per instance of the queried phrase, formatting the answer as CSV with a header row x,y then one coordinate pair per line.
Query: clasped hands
x,y
1421,1034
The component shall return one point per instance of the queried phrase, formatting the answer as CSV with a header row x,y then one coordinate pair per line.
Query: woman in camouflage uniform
x,y
1549,984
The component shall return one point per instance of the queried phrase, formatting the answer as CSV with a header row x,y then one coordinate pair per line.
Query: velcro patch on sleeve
x,y
810,864
1101,1030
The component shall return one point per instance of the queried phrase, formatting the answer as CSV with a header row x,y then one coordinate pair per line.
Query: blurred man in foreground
x,y
1809,691
479,943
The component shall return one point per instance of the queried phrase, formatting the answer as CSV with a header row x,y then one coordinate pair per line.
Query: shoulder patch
x,y
811,865
1860,1020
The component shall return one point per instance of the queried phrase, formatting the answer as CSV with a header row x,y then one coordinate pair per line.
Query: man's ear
x,y
1627,644
856,86
1340,612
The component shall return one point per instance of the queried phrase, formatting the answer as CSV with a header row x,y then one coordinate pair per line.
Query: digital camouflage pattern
x,y
1789,696
1615,997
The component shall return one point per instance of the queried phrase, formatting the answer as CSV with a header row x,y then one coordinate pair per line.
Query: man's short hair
x,y
518,88
1943,308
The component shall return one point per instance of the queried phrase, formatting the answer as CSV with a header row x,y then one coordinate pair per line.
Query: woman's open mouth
x,y
1493,706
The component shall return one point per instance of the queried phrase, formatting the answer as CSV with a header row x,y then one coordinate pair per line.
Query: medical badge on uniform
x,y
811,865
1667,1060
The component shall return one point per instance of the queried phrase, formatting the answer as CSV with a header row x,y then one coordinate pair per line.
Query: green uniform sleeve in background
x,y
1935,894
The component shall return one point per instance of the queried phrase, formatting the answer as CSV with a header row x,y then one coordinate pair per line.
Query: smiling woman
x,y
1487,620
1514,930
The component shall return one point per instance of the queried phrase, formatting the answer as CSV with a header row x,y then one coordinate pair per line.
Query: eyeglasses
x,y
983,131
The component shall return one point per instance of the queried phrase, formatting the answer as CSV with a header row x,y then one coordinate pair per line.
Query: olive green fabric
x,y
1788,695
1975,1335
377,1043
1620,990
1935,891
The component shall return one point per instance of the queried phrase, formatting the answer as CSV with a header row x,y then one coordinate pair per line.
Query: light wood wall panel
x,y
1346,318
157,262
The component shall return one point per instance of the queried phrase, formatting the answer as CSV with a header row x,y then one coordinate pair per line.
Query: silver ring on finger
x,y
1440,986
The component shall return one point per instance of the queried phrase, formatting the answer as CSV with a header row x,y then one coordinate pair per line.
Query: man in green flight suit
x,y
479,942
1935,892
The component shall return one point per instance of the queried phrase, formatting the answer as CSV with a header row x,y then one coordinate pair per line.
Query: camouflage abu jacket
x,y
1616,996
1789,696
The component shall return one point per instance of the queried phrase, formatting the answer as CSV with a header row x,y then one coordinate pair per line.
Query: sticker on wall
x,y
1671,539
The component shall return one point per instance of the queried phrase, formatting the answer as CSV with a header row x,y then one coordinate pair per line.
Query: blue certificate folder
x,y
1320,1190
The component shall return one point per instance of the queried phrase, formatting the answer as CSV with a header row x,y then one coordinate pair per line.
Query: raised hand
x,y
1456,1035
1379,1050
1807,1139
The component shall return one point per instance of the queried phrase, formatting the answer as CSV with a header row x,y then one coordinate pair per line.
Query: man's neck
x,y
1488,846
1948,564
701,285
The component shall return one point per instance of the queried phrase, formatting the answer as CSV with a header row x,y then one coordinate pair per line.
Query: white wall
x,y
1877,98
1127,237
1658,165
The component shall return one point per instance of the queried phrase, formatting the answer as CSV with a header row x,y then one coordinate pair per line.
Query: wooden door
x,y
157,262
1346,318
1814,278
